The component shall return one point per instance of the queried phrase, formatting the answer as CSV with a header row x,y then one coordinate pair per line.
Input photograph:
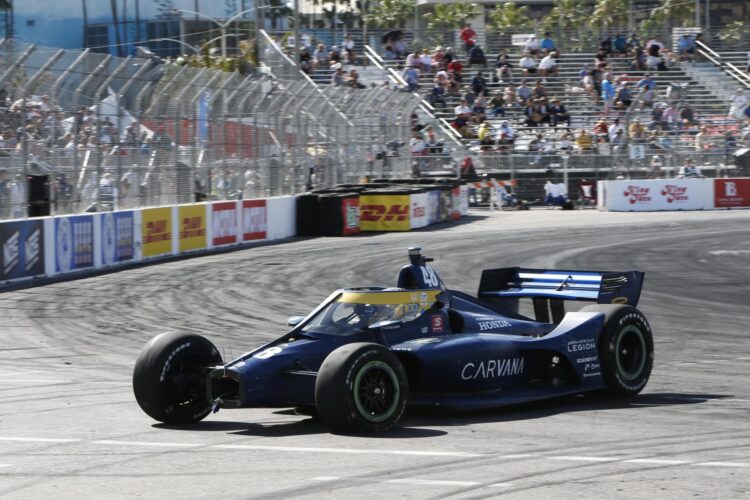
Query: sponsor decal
x,y
384,212
118,237
437,323
394,326
492,325
350,211
493,368
637,194
224,223
192,227
74,243
254,220
587,360
156,231
620,300
674,193
582,345
418,211
21,249
731,193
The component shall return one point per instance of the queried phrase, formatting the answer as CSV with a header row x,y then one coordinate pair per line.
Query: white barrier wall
x,y
282,217
655,195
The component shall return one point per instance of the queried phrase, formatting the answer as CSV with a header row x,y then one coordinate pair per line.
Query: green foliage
x,y
566,15
213,60
451,15
390,13
669,12
507,15
733,32
610,13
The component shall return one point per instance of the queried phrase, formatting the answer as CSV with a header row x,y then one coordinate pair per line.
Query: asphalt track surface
x,y
70,427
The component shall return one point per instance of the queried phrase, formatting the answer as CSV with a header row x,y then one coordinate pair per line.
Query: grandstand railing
x,y
714,57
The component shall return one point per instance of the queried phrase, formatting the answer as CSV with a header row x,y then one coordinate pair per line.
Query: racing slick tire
x,y
626,349
169,378
361,387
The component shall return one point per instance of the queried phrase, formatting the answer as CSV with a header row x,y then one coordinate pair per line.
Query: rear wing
x,y
509,284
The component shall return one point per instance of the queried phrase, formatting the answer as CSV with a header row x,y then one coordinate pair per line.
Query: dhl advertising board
x,y
384,212
156,231
191,224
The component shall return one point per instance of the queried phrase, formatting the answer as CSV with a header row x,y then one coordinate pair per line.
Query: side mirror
x,y
294,320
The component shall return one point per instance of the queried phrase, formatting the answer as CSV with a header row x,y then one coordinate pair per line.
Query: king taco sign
x,y
672,193
637,194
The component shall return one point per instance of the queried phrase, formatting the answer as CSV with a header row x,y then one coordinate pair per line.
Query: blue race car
x,y
363,354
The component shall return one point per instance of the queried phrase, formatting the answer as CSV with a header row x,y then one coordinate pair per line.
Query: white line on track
x,y
351,451
655,461
584,459
326,478
38,440
430,482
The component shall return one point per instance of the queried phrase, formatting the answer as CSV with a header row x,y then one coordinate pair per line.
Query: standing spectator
x,y
608,93
527,64
411,77
468,36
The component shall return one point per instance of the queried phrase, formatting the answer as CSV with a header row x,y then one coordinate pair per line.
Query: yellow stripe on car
x,y
379,298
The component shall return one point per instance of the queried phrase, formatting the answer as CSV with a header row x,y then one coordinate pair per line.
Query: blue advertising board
x,y
74,243
118,237
22,245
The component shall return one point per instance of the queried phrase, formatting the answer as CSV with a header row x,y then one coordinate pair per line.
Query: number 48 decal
x,y
429,276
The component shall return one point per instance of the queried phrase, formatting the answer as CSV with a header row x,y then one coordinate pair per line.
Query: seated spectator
x,y
449,56
413,60
479,83
624,98
634,42
476,56
523,92
687,116
605,46
535,113
615,128
320,56
305,60
461,124
548,64
601,130
539,90
547,44
469,96
438,59
389,53
479,109
647,82
462,109
506,136
703,140
532,45
689,170
528,64
348,57
411,77
608,93
686,47
456,67
509,95
504,70
601,57
426,61
656,117
636,131
647,98
485,135
669,117
620,45
589,85
739,103
437,96
353,80
564,143
334,56
497,104
638,61
655,63
558,114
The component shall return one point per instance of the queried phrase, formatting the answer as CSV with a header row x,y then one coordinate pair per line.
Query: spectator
x,y
411,77
584,142
620,45
467,168
703,140
506,136
605,45
449,56
532,45
565,144
485,135
348,46
689,170
353,80
647,82
536,113
554,193
647,98
476,56
601,130
456,68
320,56
523,92
426,61
438,59
548,64
468,36
624,98
497,104
479,109
634,42
654,47
338,77
462,109
479,83
528,64
547,44
400,47
413,59
539,90
687,116
509,95
558,114
334,56
636,131
739,103
669,117
615,128
418,150
656,117
437,96
589,85
608,93
686,47
469,96
305,60
504,70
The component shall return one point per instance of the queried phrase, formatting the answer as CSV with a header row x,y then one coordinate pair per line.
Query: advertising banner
x,y
433,207
74,243
384,212
729,193
156,231
445,205
254,220
464,200
191,227
350,211
22,249
657,194
419,210
118,237
224,223
455,203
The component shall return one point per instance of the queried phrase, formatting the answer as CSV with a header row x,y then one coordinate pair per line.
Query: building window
x,y
160,35
97,38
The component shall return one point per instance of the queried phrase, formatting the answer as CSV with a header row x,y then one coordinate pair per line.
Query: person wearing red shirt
x,y
468,36
455,66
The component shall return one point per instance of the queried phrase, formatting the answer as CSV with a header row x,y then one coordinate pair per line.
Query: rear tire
x,y
361,387
169,378
626,349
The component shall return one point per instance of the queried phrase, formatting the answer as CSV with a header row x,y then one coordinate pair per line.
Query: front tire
x,y
169,378
626,349
361,387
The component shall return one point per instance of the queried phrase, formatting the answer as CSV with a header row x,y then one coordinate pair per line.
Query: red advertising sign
x,y
254,220
224,223
731,193
350,210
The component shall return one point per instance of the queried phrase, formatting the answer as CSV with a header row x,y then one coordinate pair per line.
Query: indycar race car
x,y
364,354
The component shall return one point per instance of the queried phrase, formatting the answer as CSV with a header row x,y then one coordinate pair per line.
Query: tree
x,y
390,13
669,12
508,15
610,13
733,32
451,15
566,15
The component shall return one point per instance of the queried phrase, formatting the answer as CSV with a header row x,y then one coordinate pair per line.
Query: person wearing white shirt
x,y
527,64
532,44
412,60
348,43
614,129
739,103
548,65
462,109
426,61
